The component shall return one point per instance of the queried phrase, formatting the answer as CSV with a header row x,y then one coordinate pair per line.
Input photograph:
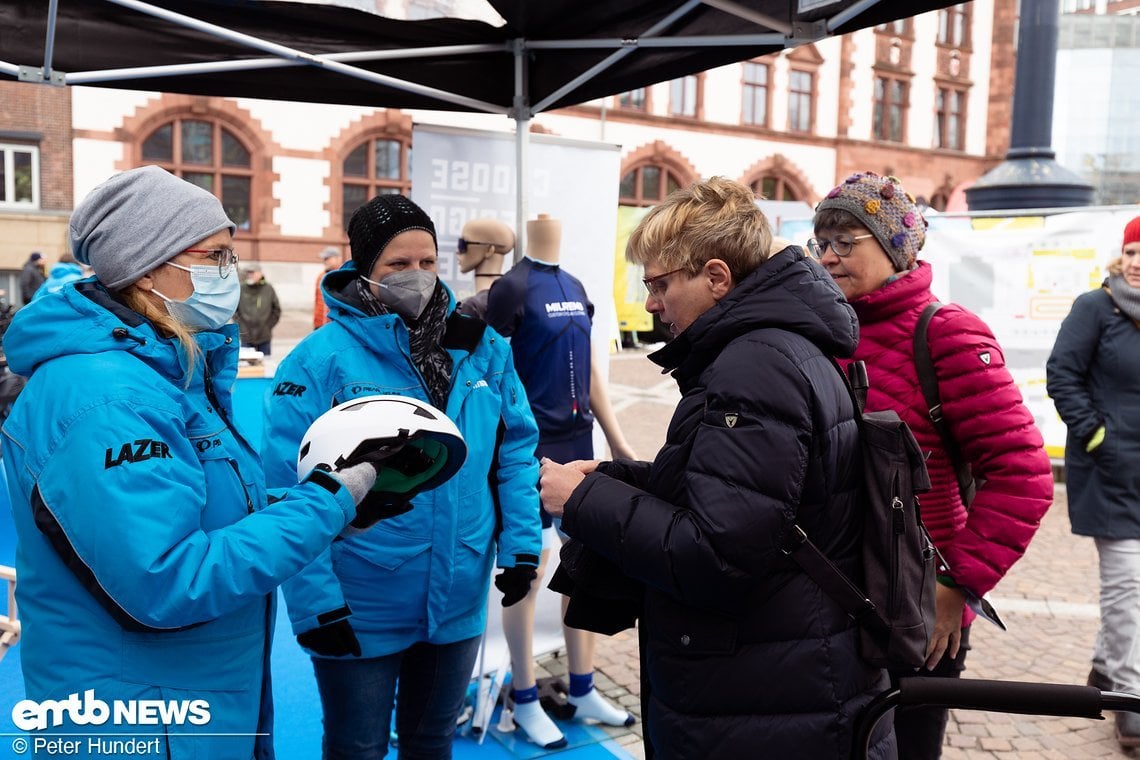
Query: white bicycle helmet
x,y
415,446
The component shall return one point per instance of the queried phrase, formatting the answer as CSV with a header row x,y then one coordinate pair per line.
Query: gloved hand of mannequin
x,y
515,582
335,639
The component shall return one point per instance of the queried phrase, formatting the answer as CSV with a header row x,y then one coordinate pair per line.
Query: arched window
x,y
648,185
207,153
775,187
377,166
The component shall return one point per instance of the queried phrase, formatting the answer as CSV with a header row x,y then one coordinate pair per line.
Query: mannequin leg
x,y
518,630
588,702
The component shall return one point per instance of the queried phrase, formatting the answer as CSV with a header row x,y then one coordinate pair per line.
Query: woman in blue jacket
x,y
1091,377
407,600
148,553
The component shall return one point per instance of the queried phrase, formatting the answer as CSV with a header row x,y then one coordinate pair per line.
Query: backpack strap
x,y
811,559
833,581
928,381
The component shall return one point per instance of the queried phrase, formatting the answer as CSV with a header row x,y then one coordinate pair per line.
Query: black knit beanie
x,y
374,224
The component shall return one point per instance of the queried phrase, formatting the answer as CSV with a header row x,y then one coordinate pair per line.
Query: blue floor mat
x,y
298,715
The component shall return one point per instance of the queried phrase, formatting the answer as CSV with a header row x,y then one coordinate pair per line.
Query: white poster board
x,y
1020,275
464,174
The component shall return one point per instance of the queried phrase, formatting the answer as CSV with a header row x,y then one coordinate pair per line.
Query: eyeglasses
x,y
227,258
841,244
656,285
462,244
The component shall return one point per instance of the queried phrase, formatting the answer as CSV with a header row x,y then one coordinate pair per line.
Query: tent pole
x,y
49,42
522,114
307,58
246,64
844,16
610,60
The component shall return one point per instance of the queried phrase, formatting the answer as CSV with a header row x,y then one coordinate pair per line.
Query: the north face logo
x,y
135,451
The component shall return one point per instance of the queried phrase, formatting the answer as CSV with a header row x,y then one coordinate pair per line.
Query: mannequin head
x,y
486,241
544,239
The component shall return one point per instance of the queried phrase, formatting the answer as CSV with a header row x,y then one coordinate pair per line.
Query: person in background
x,y
868,233
258,310
31,276
1092,378
332,259
66,270
407,601
156,579
743,654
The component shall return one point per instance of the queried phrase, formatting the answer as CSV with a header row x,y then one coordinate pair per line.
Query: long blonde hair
x,y
136,299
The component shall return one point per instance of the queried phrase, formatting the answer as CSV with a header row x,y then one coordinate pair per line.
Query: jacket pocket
x,y
387,549
691,632
189,659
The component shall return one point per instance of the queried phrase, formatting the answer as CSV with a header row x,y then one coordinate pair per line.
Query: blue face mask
x,y
213,302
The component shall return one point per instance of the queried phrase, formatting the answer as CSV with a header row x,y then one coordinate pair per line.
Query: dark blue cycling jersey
x,y
547,316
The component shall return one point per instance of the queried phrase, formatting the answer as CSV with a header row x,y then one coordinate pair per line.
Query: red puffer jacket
x,y
986,416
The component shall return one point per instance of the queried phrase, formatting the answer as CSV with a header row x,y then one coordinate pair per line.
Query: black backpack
x,y
895,606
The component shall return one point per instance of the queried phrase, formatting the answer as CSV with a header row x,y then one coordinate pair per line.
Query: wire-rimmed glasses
x,y
226,258
656,284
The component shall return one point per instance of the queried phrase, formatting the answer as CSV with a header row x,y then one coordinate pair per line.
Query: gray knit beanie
x,y
138,219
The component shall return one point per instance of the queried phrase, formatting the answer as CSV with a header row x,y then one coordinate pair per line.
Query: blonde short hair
x,y
714,219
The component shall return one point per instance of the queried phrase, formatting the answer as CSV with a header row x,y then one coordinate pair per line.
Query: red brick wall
x,y
45,110
1003,65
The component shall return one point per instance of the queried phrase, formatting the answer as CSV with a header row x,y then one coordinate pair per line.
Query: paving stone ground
x,y
1048,601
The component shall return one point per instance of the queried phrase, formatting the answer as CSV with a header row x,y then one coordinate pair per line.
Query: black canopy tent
x,y
547,54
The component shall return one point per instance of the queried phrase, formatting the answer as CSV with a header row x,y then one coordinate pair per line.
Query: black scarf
x,y
424,336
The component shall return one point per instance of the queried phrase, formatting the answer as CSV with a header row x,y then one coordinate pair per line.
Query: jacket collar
x,y
896,297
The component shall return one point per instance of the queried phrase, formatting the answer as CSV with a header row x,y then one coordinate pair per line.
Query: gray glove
x,y
358,479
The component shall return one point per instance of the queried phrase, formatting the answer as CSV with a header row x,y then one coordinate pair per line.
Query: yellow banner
x,y
629,292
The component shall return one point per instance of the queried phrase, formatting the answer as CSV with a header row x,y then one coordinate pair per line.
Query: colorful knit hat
x,y
1131,232
886,209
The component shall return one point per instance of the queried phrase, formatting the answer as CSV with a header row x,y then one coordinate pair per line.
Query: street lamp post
x,y
1030,177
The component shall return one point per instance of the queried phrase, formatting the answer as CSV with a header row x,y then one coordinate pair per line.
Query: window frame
x,y
643,108
943,116
639,198
949,20
882,107
216,168
372,184
766,88
796,94
698,96
8,149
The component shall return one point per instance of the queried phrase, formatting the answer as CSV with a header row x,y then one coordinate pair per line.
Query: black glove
x,y
331,640
515,582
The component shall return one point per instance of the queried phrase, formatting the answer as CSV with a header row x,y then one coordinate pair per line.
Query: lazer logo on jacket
x,y
565,309
136,451
288,389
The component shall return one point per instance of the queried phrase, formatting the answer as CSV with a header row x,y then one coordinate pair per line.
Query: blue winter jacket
x,y
422,576
148,550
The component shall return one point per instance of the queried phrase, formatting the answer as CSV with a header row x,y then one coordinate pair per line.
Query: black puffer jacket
x,y
745,656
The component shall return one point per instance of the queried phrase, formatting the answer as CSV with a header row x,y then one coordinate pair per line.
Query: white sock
x,y
538,726
593,706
